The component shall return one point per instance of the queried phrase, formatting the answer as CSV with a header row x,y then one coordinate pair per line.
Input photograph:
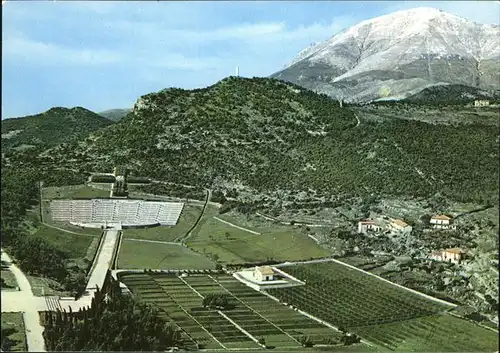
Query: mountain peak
x,y
397,54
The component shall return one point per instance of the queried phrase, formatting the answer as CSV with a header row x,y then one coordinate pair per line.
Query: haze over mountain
x,y
400,54
115,114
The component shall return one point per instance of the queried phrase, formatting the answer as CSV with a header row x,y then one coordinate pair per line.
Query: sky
x,y
104,55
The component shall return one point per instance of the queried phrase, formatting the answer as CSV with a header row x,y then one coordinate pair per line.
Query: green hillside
x,y
265,135
51,128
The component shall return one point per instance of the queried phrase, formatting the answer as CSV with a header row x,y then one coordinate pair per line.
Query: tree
x,y
306,341
349,338
216,301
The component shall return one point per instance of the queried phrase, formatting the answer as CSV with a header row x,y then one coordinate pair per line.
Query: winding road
x,y
24,301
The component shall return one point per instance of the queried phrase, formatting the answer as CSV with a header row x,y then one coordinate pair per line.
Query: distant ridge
x,y
115,114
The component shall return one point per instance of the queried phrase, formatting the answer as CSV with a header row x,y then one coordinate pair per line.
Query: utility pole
x,y
237,71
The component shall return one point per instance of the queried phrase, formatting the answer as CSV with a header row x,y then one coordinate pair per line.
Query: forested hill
x,y
265,135
55,126
238,129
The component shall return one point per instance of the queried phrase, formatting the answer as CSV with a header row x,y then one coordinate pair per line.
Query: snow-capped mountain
x,y
400,54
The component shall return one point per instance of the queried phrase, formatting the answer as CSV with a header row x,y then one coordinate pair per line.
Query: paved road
x,y
98,275
24,301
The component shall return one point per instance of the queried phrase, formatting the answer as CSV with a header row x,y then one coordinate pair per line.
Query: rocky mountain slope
x,y
400,54
266,136
55,126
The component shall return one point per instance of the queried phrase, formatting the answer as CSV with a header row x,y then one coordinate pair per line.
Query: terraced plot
x,y
380,312
258,315
251,321
223,330
205,327
148,290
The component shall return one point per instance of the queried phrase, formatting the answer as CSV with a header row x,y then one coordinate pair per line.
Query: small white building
x,y
368,225
481,103
398,225
455,255
264,273
442,222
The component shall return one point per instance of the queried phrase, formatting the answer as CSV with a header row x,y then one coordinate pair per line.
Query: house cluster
x,y
382,225
455,255
397,225
441,222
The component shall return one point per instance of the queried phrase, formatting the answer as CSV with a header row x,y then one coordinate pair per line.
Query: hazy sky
x,y
103,55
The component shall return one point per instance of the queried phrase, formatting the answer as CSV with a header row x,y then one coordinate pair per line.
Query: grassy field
x,y
188,217
14,322
74,245
9,279
233,245
73,191
380,312
134,254
257,314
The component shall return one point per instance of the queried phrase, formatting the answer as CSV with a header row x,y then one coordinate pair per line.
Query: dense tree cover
x,y
35,255
53,127
6,341
118,323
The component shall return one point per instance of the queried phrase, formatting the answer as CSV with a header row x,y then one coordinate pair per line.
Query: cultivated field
x,y
233,245
435,333
145,255
258,315
380,312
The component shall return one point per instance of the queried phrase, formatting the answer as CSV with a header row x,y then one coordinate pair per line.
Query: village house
x,y
455,255
398,225
481,103
442,222
368,225
264,273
